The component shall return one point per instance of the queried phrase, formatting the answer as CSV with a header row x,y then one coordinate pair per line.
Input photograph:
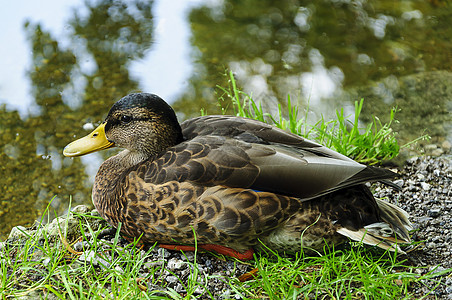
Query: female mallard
x,y
230,184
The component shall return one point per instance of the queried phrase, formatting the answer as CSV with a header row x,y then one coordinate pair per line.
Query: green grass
x,y
39,265
370,145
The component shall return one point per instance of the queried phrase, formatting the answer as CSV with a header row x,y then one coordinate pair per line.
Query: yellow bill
x,y
95,141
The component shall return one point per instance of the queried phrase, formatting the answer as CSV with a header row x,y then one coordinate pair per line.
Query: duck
x,y
232,185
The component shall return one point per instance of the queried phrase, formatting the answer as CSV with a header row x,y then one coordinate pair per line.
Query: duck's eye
x,y
126,119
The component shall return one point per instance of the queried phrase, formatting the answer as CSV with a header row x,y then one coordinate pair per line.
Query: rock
x,y
437,152
425,186
96,260
88,126
81,246
399,182
434,212
430,147
172,279
81,209
412,160
18,232
446,145
175,264
420,176
45,262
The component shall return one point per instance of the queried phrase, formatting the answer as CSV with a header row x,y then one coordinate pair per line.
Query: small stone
x,y
199,290
411,181
92,257
437,269
446,145
434,212
163,253
449,289
119,269
430,147
171,279
399,182
190,256
431,245
425,186
88,126
152,264
412,160
81,246
18,232
175,264
46,261
179,288
424,219
81,209
437,152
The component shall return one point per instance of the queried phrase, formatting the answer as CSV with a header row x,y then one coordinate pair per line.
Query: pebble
x,y
88,126
46,261
427,196
420,176
175,264
399,182
92,257
172,279
163,253
437,152
81,209
446,145
430,147
449,289
81,246
18,232
434,212
425,186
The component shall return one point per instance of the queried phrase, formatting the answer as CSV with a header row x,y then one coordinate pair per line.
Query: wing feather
x,y
239,152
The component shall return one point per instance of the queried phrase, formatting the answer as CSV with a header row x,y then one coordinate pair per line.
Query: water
x,y
325,54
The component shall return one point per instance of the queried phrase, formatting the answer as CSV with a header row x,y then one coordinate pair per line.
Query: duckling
x,y
231,184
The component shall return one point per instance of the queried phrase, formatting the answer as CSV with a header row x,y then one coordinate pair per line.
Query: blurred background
x,y
64,63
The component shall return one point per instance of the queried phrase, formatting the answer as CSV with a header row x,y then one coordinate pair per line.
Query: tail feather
x,y
366,237
397,218
394,229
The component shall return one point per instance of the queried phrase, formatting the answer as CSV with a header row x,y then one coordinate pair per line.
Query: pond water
x,y
76,61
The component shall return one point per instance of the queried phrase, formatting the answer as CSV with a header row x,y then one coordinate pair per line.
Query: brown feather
x,y
235,182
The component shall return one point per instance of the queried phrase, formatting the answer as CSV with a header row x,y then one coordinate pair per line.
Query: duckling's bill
x,y
95,141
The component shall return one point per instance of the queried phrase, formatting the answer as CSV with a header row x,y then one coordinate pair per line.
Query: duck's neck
x,y
109,179
127,159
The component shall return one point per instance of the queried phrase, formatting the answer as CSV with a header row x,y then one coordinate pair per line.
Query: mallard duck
x,y
231,184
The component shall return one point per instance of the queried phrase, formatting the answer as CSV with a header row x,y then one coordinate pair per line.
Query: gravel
x,y
425,194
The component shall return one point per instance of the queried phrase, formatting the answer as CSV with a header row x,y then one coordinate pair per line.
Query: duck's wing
x,y
239,152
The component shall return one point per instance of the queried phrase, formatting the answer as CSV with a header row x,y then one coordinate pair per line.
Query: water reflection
x,y
383,51
34,170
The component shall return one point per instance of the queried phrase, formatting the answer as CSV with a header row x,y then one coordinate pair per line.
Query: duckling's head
x,y
141,123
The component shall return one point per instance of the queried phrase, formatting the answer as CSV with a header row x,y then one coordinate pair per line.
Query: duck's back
x,y
284,163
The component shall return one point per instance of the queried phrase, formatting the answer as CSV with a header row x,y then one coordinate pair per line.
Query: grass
x,y
370,145
42,264
39,264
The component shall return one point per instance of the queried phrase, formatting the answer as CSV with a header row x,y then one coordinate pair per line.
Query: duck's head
x,y
141,123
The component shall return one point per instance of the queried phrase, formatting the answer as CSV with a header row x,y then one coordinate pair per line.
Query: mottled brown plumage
x,y
233,182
